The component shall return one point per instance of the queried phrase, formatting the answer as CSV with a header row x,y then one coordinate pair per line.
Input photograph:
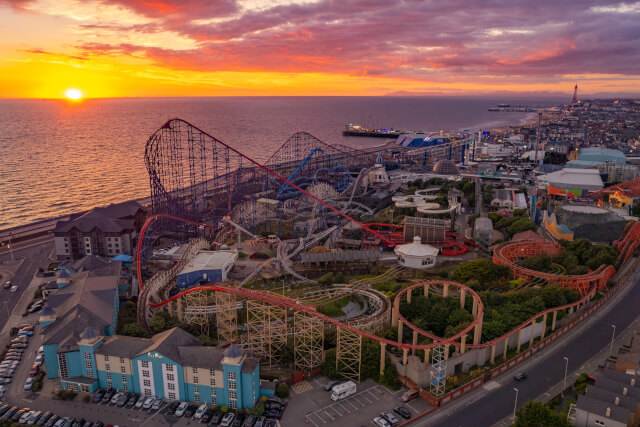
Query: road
x,y
34,257
486,408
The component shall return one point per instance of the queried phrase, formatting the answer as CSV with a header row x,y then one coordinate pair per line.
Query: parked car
x,y
140,402
62,421
52,421
41,350
238,421
13,288
148,402
33,371
520,376
97,398
4,408
273,414
7,284
191,409
122,400
171,409
157,404
27,333
132,400
216,418
25,416
19,414
200,411
38,360
250,421
270,423
381,422
10,412
403,412
44,418
115,397
29,383
409,395
227,419
108,395
206,417
181,409
34,417
390,418
260,422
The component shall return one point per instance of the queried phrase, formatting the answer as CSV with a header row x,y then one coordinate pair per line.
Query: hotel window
x,y
89,374
233,404
122,360
145,364
196,398
232,385
145,373
212,382
196,389
171,377
108,377
231,376
87,356
169,368
195,380
171,386
213,392
106,358
147,383
147,392
232,395
213,401
123,369
62,362
88,365
125,387
109,386
212,372
172,395
194,370
107,367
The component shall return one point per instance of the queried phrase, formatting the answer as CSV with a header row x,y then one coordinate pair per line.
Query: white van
x,y
343,390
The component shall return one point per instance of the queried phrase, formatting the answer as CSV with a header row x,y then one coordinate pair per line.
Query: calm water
x,y
57,157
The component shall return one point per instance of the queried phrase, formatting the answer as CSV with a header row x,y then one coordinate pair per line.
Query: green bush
x,y
86,398
282,390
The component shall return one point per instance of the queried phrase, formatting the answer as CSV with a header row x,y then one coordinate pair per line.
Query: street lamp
x,y
515,405
612,337
566,365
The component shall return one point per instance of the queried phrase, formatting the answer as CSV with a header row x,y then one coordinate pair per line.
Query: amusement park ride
x,y
198,182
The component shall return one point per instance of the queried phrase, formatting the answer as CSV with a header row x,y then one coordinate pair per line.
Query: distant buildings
x,y
106,232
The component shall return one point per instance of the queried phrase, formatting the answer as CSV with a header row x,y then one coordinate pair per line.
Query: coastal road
x,y
485,408
34,257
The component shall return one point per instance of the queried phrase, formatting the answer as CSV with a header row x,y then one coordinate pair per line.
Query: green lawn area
x,y
334,308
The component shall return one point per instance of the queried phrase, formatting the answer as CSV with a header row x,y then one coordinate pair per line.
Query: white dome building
x,y
416,255
378,173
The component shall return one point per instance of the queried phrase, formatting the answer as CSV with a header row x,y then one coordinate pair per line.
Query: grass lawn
x,y
334,308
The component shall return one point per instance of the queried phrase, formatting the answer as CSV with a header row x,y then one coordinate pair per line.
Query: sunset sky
x,y
113,48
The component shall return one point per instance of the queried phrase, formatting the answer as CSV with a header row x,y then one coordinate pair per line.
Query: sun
x,y
74,94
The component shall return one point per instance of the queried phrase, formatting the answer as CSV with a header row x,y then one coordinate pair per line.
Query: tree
x,y
329,364
135,330
282,390
535,414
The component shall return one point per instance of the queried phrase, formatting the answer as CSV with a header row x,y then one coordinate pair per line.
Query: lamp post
x,y
613,335
566,366
515,405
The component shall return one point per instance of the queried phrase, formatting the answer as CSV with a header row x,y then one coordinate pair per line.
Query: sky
x,y
133,48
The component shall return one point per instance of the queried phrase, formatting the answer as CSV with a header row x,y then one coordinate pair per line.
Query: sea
x,y
59,157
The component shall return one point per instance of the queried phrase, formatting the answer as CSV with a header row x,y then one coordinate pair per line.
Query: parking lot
x,y
313,406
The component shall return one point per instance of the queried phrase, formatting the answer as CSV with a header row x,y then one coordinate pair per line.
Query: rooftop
x,y
416,249
209,260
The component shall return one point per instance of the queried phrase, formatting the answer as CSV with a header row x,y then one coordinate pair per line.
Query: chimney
x,y
617,400
624,391
608,413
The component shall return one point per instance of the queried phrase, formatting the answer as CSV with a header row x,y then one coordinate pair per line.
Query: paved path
x,y
487,407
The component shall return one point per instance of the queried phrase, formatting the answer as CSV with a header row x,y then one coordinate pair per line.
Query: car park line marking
x,y
328,415
344,407
414,409
349,402
335,410
309,419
